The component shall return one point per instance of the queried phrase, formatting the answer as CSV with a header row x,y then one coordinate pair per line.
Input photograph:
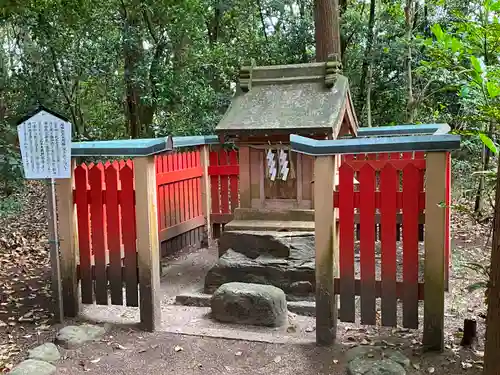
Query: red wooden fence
x,y
105,205
223,171
390,196
180,217
391,189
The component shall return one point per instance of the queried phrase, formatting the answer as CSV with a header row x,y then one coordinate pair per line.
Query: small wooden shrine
x,y
272,102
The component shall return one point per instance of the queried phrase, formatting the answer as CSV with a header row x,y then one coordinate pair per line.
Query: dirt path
x,y
126,352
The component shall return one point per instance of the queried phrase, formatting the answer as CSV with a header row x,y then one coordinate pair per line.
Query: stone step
x,y
270,225
264,214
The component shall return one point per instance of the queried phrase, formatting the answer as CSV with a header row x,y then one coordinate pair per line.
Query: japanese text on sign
x,y
45,142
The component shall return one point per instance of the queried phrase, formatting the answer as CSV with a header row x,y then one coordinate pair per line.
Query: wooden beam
x,y
326,303
206,200
147,242
435,244
245,185
67,245
178,229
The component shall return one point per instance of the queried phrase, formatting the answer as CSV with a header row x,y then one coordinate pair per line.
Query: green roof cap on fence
x,y
444,142
123,147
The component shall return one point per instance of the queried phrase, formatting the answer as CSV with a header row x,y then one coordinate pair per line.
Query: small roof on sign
x,y
39,109
126,147
300,98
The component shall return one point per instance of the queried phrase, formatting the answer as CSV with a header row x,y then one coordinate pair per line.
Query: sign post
x,y
45,142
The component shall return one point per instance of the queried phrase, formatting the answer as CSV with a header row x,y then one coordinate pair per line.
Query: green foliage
x,y
484,273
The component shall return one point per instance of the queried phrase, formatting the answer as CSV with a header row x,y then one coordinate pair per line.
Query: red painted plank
x,y
411,178
129,235
170,194
190,164
224,170
358,201
182,189
177,191
407,155
164,207
98,240
224,184
399,164
160,192
346,253
233,181
214,183
82,211
197,195
419,155
388,187
113,229
367,244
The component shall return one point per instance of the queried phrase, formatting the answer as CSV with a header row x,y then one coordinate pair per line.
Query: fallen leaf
x,y
466,365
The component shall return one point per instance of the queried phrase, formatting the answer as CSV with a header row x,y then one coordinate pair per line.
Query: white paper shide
x,y
45,142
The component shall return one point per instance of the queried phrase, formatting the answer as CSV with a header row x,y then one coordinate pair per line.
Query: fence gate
x,y
380,255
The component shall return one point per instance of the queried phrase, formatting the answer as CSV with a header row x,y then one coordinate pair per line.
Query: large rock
x,y
255,304
71,337
267,266
47,352
252,244
33,367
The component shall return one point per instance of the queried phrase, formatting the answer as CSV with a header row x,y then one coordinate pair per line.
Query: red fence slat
x,y
160,193
233,181
367,244
224,184
346,243
214,183
388,187
411,179
97,227
129,235
82,211
113,231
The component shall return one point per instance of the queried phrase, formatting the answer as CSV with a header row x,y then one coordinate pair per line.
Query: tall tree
x,y
327,29
492,347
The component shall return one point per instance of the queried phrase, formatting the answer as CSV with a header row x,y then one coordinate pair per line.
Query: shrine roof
x,y
287,98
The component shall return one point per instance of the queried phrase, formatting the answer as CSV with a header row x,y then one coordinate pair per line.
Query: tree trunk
x,y
369,96
303,48
409,15
132,53
327,29
492,346
368,52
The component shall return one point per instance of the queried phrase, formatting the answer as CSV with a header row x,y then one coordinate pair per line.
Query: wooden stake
x,y
206,201
55,264
147,242
435,233
326,303
67,245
